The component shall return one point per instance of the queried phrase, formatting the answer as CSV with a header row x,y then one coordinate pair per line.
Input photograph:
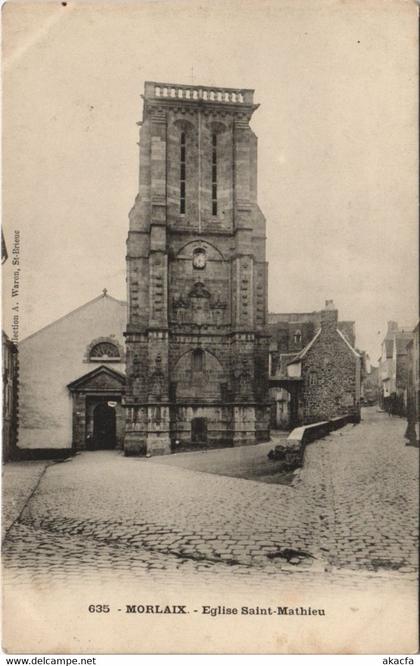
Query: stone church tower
x,y
197,346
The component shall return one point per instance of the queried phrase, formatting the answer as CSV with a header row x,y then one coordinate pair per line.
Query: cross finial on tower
x,y
105,291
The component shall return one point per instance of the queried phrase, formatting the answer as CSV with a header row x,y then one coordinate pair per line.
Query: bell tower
x,y
197,347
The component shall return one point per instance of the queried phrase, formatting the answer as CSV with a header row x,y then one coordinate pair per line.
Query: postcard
x,y
210,337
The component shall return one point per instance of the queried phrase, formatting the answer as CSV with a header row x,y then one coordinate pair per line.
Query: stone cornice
x,y
159,107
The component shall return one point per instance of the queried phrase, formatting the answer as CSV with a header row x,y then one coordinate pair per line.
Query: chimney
x,y
329,316
392,327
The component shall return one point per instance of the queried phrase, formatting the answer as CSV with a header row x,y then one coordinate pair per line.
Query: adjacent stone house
x,y
413,387
303,386
393,369
330,371
71,381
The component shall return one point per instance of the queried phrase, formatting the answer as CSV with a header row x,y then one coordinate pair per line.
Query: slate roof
x,y
304,351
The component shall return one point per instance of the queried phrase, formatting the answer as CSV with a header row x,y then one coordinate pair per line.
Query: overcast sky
x,y
337,128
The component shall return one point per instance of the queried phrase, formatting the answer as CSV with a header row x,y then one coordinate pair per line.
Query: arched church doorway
x,y
199,430
104,427
284,409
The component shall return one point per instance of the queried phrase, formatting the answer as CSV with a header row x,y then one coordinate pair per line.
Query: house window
x,y
104,351
214,175
313,378
182,177
198,360
298,337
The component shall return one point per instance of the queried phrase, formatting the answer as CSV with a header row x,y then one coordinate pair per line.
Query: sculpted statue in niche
x,y
134,380
199,291
137,386
157,380
199,307
245,380
217,303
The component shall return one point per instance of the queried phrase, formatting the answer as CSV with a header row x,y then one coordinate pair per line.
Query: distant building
x,y
401,361
393,369
370,386
386,367
413,387
315,371
71,380
10,396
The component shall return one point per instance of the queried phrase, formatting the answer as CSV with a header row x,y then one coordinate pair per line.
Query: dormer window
x,y
298,338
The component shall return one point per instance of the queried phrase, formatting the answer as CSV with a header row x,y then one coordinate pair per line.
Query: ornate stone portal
x,y
98,420
196,339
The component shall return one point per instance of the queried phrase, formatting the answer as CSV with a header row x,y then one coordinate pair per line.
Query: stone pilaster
x,y
158,421
135,439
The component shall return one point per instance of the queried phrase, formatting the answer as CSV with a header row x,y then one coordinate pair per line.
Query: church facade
x,y
196,337
71,382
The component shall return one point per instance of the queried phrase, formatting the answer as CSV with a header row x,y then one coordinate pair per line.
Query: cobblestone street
x,y
20,480
352,507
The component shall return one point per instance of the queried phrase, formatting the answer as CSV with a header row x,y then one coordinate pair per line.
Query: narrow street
x,y
352,507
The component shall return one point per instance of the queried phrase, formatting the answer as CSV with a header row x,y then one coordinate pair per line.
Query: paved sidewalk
x,y
243,462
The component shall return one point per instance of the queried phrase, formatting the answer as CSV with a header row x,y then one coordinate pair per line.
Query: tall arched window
x,y
214,175
198,360
183,175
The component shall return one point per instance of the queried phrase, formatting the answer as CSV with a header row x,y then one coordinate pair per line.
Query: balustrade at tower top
x,y
171,92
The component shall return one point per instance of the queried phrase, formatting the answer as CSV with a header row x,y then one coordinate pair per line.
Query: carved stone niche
x,y
199,307
244,380
217,303
157,381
